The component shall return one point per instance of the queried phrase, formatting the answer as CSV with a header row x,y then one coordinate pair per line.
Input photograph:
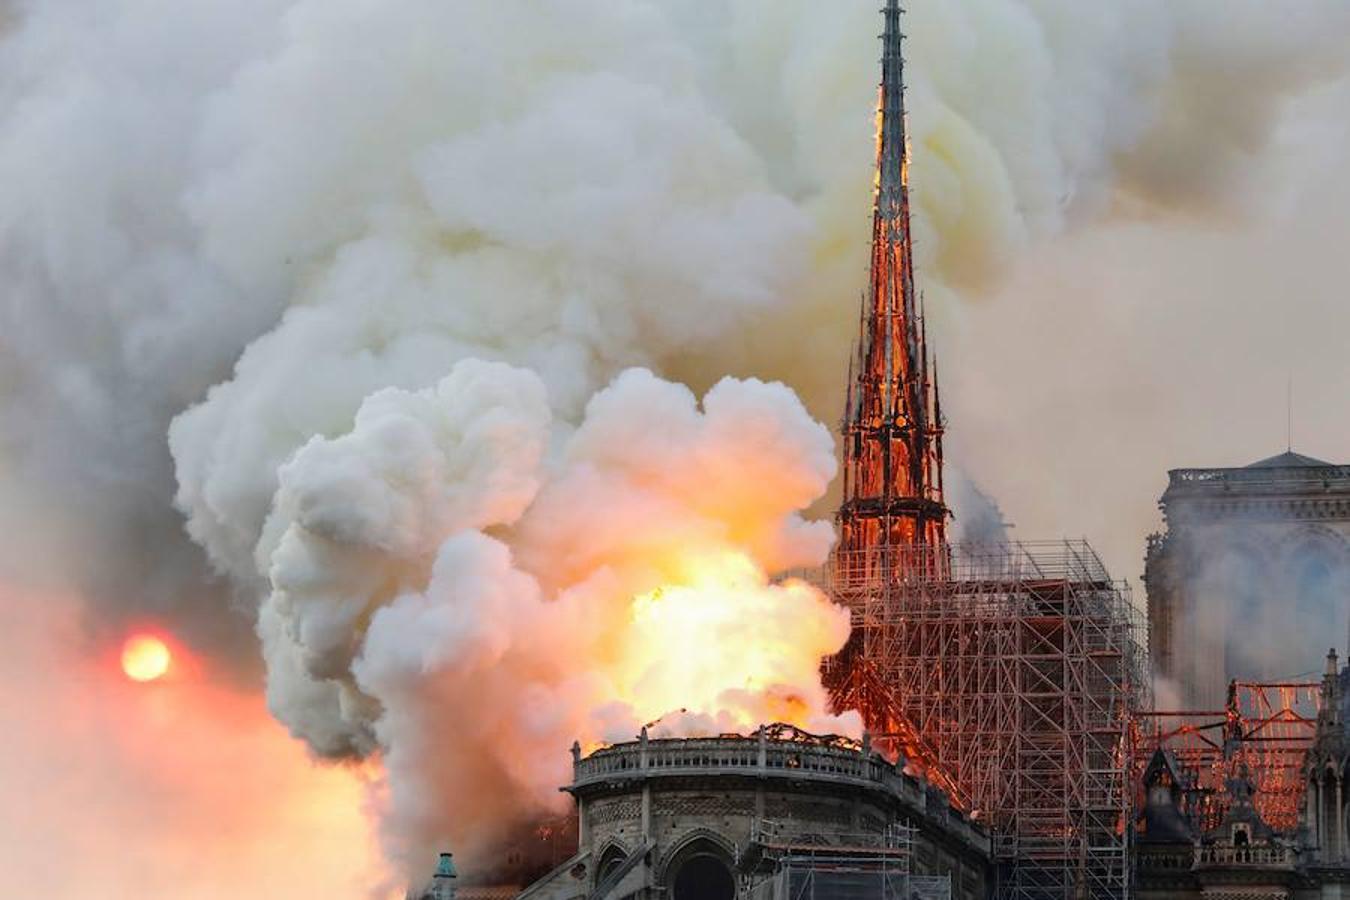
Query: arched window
x,y
704,878
610,860
701,870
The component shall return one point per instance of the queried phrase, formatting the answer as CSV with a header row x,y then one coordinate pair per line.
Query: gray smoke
x,y
1269,608
979,520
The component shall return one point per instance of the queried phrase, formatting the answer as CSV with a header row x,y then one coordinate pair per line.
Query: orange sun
x,y
145,657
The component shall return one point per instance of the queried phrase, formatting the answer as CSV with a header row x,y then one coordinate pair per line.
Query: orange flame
x,y
724,643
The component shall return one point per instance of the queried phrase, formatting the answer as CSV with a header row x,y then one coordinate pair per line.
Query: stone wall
x,y
645,807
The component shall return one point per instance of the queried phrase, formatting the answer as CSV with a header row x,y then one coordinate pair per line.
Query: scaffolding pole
x,y
839,865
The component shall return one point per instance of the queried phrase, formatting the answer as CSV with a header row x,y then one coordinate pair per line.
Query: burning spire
x,y
892,429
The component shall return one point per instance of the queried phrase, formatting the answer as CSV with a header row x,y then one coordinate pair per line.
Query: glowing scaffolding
x,y
1007,674
1011,675
1265,729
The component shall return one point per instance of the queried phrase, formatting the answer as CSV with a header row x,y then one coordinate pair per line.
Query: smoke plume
x,y
446,586
324,316
1268,605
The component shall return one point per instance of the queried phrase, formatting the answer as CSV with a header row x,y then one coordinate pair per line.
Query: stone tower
x,y
1251,579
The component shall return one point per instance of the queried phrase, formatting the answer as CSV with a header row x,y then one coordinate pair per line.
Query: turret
x,y
443,883
1330,712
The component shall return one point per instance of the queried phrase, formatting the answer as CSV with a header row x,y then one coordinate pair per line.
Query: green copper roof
x,y
446,867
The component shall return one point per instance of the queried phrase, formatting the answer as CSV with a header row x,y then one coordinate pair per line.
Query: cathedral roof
x,y
1242,809
1289,460
1165,762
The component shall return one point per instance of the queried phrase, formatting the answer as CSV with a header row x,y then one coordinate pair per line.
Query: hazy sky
x,y
1125,350
180,788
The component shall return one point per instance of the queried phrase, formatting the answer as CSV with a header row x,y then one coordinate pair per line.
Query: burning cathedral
x,y
996,684
1011,749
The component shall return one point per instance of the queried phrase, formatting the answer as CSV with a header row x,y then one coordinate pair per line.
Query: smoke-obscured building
x,y
1251,579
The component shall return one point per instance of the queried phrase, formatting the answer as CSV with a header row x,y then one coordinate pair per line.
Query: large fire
x,y
730,647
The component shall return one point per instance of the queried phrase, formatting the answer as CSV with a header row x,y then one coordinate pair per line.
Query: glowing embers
x,y
1268,728
145,658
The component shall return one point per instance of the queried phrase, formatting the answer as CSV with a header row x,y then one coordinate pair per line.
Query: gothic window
x,y
704,878
701,870
611,860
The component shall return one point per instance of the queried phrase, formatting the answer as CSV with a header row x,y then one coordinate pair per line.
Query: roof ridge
x,y
1289,460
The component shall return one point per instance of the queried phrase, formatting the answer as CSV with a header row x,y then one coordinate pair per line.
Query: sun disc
x,y
145,658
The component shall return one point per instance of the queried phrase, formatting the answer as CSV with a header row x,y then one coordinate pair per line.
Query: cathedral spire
x,y
892,432
893,151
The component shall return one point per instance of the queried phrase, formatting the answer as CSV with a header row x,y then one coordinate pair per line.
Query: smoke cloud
x,y
1268,604
444,587
353,291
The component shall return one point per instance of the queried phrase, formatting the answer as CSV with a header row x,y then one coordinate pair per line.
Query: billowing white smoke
x,y
339,198
472,586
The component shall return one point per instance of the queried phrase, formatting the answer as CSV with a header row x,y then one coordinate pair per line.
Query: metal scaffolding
x,y
1009,674
838,865
1265,729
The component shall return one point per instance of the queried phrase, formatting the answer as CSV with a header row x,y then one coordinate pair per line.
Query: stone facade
x,y
1252,576
724,818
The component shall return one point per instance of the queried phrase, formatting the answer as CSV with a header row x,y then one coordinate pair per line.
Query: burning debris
x,y
1263,731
